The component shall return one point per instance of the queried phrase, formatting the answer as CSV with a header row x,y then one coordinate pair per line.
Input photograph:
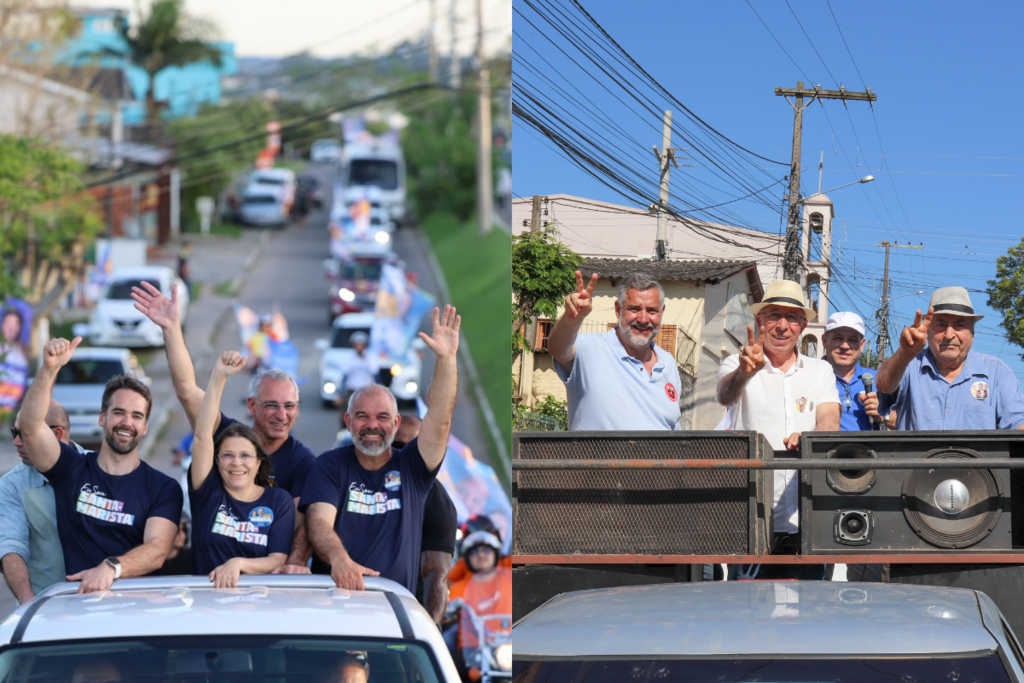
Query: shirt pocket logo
x,y
804,404
979,390
393,480
261,516
670,391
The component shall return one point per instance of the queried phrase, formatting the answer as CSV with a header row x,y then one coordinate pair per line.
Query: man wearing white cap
x,y
942,383
844,343
772,389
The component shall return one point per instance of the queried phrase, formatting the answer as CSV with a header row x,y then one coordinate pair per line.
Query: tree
x,y
47,222
543,274
1006,293
167,37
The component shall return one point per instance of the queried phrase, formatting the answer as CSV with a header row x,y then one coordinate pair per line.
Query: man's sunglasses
x,y
16,433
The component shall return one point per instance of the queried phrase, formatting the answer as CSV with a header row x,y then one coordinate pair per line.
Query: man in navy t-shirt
x,y
365,502
273,404
116,515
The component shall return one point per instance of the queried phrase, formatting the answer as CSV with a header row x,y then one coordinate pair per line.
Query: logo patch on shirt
x,y
261,516
804,404
92,502
979,390
670,391
393,480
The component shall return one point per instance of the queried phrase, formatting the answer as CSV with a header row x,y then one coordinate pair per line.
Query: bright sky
x,y
330,28
947,115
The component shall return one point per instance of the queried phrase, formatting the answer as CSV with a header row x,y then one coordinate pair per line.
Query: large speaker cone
x,y
952,508
858,478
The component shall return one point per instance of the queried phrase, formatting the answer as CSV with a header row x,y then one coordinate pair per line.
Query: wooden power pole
x,y
791,265
882,315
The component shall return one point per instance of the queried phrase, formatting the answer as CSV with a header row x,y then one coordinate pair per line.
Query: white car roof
x,y
363,319
99,353
183,605
376,150
278,173
755,618
141,272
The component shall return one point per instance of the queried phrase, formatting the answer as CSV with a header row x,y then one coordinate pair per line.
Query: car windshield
x,y
374,172
343,335
122,289
360,270
222,659
88,371
259,199
962,668
269,180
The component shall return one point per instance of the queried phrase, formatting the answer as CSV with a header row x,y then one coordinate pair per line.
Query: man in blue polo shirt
x,y
942,383
273,404
620,379
844,343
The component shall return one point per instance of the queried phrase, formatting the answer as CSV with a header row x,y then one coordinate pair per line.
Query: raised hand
x,y
151,302
752,355
444,340
581,302
229,363
914,338
57,352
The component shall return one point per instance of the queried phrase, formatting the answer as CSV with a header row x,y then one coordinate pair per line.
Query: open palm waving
x,y
444,340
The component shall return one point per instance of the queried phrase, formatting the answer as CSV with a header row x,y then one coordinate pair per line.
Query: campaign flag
x,y
284,355
248,322
15,330
399,312
475,489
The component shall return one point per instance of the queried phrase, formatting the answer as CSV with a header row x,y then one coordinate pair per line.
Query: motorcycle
x,y
491,653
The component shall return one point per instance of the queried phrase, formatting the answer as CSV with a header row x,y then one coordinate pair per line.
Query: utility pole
x,y
666,155
453,58
791,264
484,173
432,39
882,315
535,214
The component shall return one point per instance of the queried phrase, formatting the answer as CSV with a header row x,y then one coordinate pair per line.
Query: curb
x,y
156,425
467,358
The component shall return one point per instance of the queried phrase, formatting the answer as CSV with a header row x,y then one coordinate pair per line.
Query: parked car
x,y
262,208
181,629
381,166
402,375
280,181
80,383
116,322
768,631
325,151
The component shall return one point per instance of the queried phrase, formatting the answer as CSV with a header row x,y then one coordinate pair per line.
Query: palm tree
x,y
166,37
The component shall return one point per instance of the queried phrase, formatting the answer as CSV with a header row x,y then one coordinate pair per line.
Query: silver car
x,y
767,631
181,629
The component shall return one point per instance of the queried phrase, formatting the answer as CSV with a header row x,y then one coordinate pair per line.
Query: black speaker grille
x,y
645,512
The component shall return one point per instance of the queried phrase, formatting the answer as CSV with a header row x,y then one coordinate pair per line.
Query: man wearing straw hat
x,y
942,383
773,389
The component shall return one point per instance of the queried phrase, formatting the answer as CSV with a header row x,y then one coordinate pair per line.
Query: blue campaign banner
x,y
399,313
15,331
475,489
284,355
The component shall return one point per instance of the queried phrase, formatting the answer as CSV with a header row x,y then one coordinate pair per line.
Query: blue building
x,y
183,89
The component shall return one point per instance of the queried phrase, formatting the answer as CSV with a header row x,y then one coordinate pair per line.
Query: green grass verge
x,y
226,288
478,270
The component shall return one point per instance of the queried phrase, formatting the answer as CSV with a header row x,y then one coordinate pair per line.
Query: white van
x,y
378,165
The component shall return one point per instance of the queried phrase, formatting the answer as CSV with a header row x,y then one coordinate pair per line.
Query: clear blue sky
x,y
949,118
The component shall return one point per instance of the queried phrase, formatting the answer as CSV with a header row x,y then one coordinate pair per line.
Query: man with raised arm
x,y
619,379
273,404
365,501
116,515
942,383
770,387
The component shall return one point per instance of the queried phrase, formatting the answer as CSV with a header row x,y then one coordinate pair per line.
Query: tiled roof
x,y
674,270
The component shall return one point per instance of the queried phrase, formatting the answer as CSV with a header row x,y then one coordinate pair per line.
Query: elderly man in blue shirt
x,y
942,383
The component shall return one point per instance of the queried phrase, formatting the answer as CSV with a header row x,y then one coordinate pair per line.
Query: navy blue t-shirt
x,y
290,464
101,515
440,521
380,513
223,528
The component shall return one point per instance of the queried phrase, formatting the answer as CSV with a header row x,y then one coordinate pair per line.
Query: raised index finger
x,y
760,337
750,335
579,282
928,318
593,283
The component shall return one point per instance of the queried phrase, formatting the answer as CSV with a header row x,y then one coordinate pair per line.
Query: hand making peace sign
x,y
752,355
915,337
580,303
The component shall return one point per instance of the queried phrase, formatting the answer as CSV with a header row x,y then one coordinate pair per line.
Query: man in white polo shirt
x,y
772,389
620,379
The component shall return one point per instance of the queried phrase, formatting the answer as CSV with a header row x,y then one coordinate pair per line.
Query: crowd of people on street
x,y
259,501
622,380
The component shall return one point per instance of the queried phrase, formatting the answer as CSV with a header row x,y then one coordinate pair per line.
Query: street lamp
x,y
865,179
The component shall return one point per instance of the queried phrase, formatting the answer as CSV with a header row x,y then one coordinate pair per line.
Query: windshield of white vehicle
x,y
122,289
268,180
221,659
360,270
88,371
963,668
342,338
374,172
258,199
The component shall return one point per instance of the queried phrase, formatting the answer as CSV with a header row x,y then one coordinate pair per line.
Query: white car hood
x,y
118,310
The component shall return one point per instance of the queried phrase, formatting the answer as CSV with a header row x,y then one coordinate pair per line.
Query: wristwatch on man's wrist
x,y
116,564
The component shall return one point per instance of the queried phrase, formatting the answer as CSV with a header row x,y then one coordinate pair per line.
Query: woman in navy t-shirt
x,y
241,523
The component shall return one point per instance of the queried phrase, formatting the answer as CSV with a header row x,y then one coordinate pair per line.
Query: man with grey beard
x,y
364,503
620,379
